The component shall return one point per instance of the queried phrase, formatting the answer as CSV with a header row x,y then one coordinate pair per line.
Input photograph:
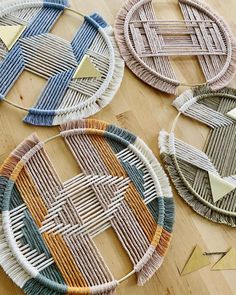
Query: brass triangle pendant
x,y
10,34
232,114
196,261
227,262
86,69
219,187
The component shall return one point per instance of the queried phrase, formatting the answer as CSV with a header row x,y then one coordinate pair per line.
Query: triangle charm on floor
x,y
219,187
196,261
10,34
227,262
86,69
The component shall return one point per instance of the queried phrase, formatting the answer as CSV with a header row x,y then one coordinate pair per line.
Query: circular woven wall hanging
x,y
147,44
206,179
47,227
82,75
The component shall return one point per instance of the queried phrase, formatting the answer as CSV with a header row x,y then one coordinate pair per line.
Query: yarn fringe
x,y
83,124
141,70
149,269
164,182
191,200
9,262
156,257
10,163
98,19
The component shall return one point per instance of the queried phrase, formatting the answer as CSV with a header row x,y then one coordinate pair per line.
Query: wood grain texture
x,y
144,111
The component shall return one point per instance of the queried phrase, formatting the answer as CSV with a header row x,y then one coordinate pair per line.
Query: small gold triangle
x,y
86,69
227,262
10,34
196,261
232,114
219,187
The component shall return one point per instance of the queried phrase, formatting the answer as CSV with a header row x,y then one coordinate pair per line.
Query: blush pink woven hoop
x,y
147,43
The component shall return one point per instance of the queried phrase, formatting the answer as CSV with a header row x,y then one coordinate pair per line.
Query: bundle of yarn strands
x,y
46,241
82,75
147,44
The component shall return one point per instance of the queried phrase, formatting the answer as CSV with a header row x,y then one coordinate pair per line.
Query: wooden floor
x,y
144,111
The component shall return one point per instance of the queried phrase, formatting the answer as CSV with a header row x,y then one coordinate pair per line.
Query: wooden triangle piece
x,y
227,262
196,261
86,69
10,34
232,114
219,187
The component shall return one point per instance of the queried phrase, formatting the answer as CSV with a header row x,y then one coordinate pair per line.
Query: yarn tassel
x,y
153,264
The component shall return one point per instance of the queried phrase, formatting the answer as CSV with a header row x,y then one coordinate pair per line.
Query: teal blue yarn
x,y
125,134
45,110
161,208
53,286
84,37
33,236
10,69
52,272
3,184
13,64
96,21
56,4
6,195
16,199
157,209
43,21
99,20
157,205
33,287
136,175
118,139
169,214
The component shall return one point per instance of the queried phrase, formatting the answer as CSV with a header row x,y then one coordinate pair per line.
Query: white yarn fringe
x,y
157,168
9,263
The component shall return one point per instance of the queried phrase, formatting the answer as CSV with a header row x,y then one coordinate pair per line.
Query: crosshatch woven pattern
x,y
191,169
147,43
47,227
55,59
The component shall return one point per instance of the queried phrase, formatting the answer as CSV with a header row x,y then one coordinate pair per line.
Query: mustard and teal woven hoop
x,y
65,96
47,227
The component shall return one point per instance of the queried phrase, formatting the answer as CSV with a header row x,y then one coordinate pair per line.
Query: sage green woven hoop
x,y
174,158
